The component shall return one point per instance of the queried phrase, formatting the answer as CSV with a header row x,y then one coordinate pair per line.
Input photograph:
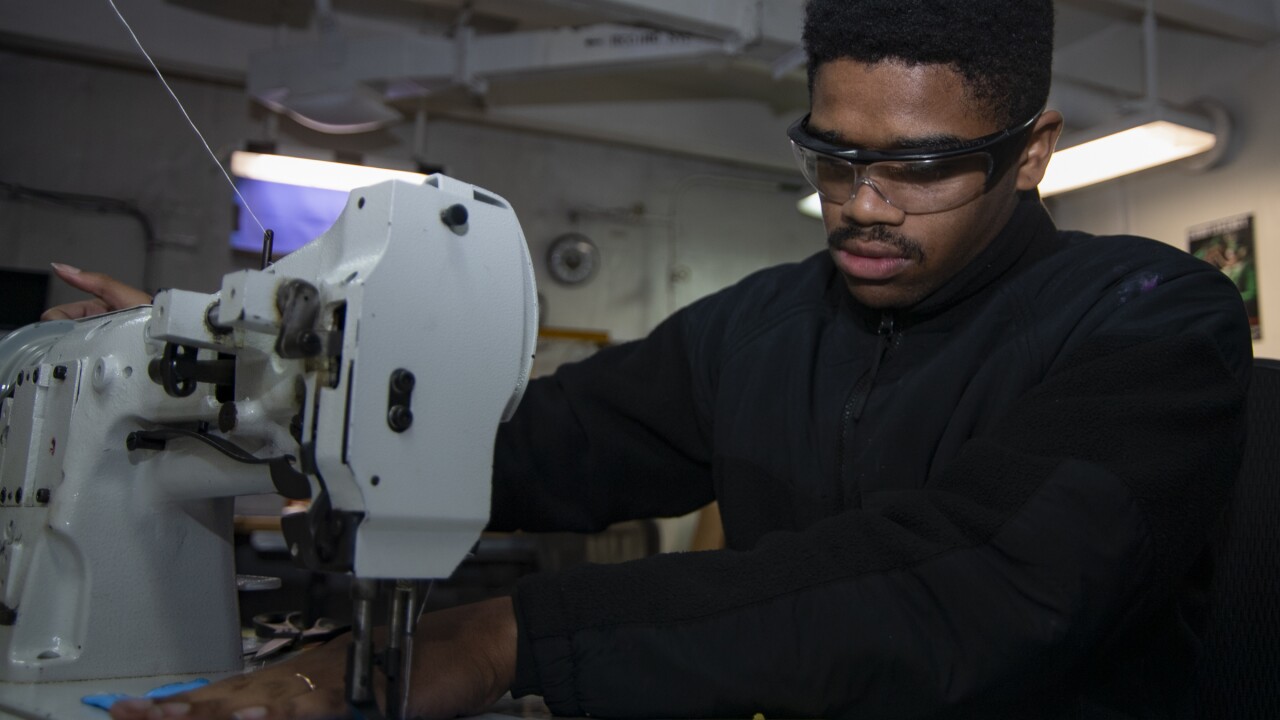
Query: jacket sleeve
x,y
619,436
1062,527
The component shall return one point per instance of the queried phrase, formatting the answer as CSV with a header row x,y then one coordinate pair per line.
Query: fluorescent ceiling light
x,y
1134,144
313,173
811,206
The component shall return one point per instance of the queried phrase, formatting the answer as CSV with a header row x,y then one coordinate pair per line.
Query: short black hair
x,y
1002,48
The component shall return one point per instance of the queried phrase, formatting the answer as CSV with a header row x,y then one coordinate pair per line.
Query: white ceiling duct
x,y
330,85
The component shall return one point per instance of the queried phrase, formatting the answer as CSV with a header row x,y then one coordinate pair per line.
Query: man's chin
x,y
881,295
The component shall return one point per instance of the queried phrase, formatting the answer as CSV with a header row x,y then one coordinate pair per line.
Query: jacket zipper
x,y
857,402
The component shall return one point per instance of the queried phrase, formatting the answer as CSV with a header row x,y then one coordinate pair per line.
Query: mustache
x,y
877,234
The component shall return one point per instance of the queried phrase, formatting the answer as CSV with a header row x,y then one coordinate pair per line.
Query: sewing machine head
x,y
366,372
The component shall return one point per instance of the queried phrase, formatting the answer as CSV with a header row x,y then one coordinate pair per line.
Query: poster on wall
x,y
1228,245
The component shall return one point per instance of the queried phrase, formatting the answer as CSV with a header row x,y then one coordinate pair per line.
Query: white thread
x,y
190,122
423,603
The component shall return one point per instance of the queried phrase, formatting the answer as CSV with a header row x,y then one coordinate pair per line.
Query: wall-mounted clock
x,y
572,259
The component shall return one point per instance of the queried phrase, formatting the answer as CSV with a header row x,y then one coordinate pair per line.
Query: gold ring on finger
x,y
311,687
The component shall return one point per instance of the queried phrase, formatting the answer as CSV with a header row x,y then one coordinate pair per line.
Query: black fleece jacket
x,y
990,505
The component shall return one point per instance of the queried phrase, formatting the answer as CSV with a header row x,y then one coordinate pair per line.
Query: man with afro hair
x,y
966,462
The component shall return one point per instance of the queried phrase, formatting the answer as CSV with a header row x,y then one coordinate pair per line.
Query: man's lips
x,y
870,262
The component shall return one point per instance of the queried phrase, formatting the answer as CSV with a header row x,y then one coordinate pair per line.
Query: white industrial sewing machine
x,y
367,372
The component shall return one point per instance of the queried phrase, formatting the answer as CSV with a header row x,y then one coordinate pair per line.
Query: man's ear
x,y
1044,138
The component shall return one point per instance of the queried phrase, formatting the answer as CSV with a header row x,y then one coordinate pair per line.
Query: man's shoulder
x,y
1128,286
1131,250
772,293
801,279
798,298
1086,264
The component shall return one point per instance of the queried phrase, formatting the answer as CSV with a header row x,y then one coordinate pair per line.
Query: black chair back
x,y
1239,672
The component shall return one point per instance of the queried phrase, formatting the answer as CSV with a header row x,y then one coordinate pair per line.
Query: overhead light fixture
x,y
810,205
339,111
313,173
1150,138
1153,136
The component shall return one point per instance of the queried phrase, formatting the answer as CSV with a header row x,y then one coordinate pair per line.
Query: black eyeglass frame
x,y
1000,147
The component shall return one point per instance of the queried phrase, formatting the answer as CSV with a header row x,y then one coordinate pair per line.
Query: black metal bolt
x,y
139,441
310,343
295,427
402,381
454,216
227,417
42,496
17,495
399,418
211,319
60,372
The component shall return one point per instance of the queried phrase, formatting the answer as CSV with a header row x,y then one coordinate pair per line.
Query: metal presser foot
x,y
406,600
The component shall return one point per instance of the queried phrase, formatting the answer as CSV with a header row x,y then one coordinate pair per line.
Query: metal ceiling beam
x,y
1107,54
180,40
1252,21
468,59
745,22
327,84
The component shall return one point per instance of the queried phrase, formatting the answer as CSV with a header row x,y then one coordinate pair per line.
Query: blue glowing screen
x,y
296,214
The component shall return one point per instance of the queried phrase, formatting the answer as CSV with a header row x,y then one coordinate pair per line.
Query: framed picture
x,y
1228,245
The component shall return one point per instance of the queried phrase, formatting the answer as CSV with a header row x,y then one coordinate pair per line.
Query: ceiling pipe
x,y
1151,57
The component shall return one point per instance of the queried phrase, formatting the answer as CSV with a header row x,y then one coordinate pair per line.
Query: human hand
x,y
109,294
309,685
464,660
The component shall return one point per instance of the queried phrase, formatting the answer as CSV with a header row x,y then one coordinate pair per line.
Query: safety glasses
x,y
914,181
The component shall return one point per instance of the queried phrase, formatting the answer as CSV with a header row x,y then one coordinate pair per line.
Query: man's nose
x,y
868,206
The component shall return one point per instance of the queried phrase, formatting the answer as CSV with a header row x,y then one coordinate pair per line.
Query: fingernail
x,y
63,267
178,709
253,713
135,703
